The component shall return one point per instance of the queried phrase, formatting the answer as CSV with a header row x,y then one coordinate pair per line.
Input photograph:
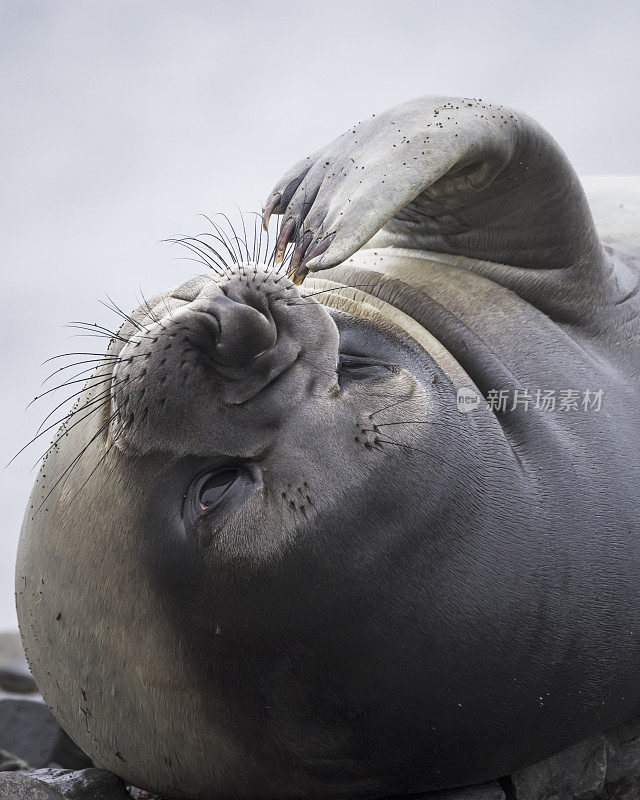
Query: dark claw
x,y
283,239
298,253
298,270
298,275
267,211
317,249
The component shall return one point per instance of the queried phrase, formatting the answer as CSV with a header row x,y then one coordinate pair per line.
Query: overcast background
x,y
121,121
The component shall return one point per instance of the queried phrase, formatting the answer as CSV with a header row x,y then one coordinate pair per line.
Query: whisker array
x,y
225,250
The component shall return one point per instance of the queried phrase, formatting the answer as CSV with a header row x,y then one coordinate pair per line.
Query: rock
x,y
623,753
10,646
10,762
14,672
606,767
622,744
68,755
62,784
141,794
29,729
622,790
577,772
15,677
482,791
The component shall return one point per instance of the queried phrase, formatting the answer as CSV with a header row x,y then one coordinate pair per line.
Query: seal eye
x,y
215,496
215,486
357,368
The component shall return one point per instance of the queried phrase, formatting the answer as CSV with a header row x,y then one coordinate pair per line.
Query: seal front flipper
x,y
454,176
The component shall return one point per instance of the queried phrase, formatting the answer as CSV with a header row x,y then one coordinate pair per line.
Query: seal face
x,y
271,553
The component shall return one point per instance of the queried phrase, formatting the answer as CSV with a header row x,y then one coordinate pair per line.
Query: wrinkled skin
x,y
287,564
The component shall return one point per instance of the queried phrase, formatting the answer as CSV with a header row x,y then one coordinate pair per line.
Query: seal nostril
x,y
244,332
214,323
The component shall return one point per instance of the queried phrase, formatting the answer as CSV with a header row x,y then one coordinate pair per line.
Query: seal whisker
x,y
224,238
271,255
150,311
93,326
267,242
233,231
101,461
77,374
121,313
206,260
41,433
101,400
75,461
70,383
112,360
71,415
235,258
254,257
80,408
403,445
224,241
195,261
223,267
393,405
166,305
411,422
442,458
246,245
67,355
90,369
88,335
104,399
258,231
333,289
95,330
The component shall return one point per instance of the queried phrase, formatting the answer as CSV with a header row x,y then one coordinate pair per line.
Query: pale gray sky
x,y
121,121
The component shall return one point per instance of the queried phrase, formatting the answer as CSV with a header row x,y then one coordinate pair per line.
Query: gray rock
x,y
141,794
14,672
605,767
623,753
68,755
62,784
29,729
10,646
482,791
15,677
577,772
621,790
10,762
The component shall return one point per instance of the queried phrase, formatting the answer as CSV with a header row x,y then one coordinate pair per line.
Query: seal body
x,y
335,540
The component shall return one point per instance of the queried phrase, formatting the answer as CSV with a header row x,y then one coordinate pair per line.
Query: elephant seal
x,y
292,542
